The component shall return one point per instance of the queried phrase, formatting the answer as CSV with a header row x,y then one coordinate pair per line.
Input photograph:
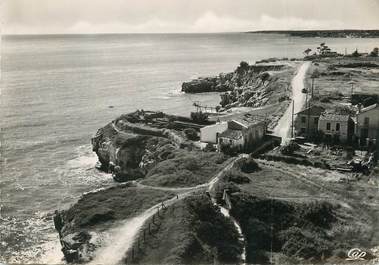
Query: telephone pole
x,y
293,110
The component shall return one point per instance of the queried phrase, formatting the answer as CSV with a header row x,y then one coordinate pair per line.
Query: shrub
x,y
248,165
236,176
375,52
191,134
304,243
242,67
209,148
229,150
200,117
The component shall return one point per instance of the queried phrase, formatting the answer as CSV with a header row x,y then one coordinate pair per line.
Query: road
x,y
123,236
283,129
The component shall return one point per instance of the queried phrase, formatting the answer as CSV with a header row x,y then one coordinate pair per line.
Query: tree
x,y
375,52
355,53
307,51
242,67
200,117
315,74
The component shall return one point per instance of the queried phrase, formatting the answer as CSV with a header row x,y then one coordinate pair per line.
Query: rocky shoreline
x,y
249,85
288,212
324,33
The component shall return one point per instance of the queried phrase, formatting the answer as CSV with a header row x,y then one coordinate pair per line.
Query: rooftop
x,y
313,111
334,117
231,134
371,107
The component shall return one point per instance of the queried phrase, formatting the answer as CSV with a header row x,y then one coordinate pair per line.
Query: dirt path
x,y
123,236
283,129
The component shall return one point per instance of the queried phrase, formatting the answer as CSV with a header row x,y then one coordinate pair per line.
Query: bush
x,y
191,134
210,148
199,117
229,150
248,165
305,243
242,67
236,176
375,52
290,148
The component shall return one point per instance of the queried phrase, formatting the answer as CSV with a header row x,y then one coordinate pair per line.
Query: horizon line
x,y
221,32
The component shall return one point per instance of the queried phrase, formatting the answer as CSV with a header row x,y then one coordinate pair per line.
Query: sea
x,y
57,90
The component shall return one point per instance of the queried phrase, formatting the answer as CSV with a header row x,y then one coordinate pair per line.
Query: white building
x,y
243,135
367,124
209,134
336,127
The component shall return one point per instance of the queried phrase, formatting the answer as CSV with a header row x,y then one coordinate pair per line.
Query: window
x,y
315,121
366,121
303,119
328,126
338,127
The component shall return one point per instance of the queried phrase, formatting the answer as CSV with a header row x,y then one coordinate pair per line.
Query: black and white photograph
x,y
189,132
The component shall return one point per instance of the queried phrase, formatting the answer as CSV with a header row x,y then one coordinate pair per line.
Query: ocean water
x,y
56,91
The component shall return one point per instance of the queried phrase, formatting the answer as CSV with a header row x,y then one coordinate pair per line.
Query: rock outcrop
x,y
81,226
130,145
248,86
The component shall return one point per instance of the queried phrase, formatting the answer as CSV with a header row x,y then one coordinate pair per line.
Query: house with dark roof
x,y
306,122
336,127
367,124
242,135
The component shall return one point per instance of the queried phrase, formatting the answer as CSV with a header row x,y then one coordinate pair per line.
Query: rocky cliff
x,y
249,85
83,226
130,145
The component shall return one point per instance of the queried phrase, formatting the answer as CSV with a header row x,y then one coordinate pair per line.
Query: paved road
x,y
283,129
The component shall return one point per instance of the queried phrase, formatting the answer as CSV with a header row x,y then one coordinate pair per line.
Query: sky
x,y
187,16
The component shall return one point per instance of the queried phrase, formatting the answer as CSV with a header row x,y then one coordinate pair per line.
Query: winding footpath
x,y
283,129
124,235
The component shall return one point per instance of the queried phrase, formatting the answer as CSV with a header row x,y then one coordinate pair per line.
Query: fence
x,y
148,231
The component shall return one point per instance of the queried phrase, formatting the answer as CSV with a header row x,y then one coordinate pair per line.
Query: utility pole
x,y
293,110
308,104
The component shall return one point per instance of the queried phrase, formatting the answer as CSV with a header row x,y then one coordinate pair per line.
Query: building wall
x,y
343,131
209,133
251,136
232,142
254,134
370,130
301,124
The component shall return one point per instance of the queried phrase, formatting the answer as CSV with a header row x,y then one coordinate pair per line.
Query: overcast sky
x,y
153,16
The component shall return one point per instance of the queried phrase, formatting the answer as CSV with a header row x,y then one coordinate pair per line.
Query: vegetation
x,y
297,230
116,203
375,52
356,53
200,117
192,231
191,134
247,165
188,168
242,67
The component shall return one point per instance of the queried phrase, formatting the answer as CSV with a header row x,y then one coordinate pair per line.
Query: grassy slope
x,y
190,232
334,78
311,217
187,168
117,203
